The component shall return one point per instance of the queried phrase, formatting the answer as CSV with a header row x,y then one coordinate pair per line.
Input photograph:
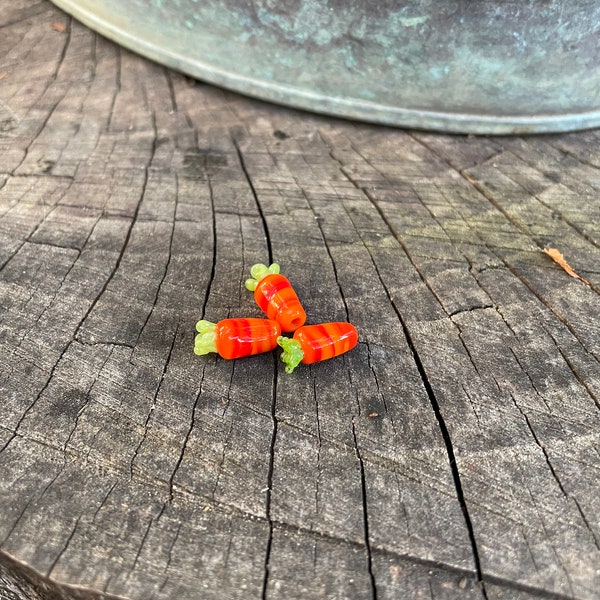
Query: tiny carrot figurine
x,y
276,297
313,343
234,338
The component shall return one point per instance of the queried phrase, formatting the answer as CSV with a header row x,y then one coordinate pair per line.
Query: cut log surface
x,y
454,453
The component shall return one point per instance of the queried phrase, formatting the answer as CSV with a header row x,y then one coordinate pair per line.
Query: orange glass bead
x,y
276,297
314,343
235,338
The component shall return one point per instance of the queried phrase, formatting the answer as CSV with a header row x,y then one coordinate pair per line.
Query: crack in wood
x,y
542,522
51,81
185,440
466,349
487,157
171,547
20,516
172,95
578,157
552,469
443,428
570,223
269,491
248,177
141,545
451,456
162,278
365,512
77,418
16,431
573,369
117,89
506,322
531,381
319,447
543,301
219,469
153,405
460,311
379,391
540,445
213,265
586,522
327,249
64,548
473,407
122,251
104,500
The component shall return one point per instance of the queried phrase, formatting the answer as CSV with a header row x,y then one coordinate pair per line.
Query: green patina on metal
x,y
471,66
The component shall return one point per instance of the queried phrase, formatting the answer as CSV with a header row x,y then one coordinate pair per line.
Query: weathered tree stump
x,y
453,454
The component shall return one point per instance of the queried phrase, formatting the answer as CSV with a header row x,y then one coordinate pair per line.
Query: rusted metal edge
x,y
311,100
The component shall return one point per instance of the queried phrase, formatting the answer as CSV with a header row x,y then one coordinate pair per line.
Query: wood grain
x,y
452,454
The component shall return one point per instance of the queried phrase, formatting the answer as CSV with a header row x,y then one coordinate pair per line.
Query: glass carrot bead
x,y
314,343
235,338
276,297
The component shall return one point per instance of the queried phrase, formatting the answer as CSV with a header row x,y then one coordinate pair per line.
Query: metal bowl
x,y
469,66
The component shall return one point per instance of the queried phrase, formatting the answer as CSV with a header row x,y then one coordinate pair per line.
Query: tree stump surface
x,y
453,454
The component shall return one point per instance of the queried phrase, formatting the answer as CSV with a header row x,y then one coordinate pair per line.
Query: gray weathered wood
x,y
18,582
452,454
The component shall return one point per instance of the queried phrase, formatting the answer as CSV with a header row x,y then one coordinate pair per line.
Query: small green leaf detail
x,y
205,341
258,271
292,353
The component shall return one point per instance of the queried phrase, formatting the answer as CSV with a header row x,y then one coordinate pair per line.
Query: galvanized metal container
x,y
471,66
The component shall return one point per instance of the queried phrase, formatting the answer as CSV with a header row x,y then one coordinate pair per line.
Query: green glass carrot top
x,y
276,297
